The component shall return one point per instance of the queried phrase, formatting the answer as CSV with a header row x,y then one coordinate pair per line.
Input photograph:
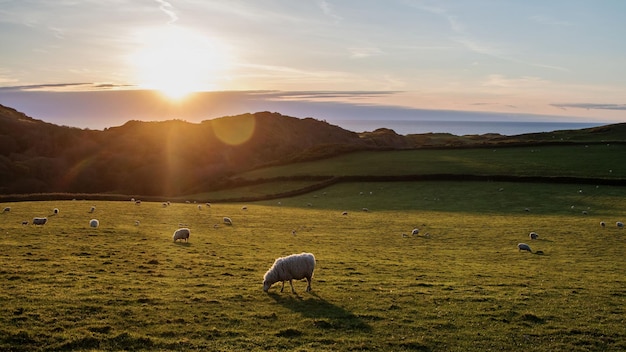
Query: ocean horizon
x,y
461,128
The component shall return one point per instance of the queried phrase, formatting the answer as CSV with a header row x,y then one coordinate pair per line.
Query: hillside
x,y
176,157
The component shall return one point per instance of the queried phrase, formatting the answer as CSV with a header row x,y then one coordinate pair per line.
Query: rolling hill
x,y
173,158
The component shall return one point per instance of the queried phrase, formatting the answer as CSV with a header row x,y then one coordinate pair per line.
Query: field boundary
x,y
324,181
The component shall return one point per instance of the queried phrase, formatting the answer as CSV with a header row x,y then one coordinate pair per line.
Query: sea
x,y
460,128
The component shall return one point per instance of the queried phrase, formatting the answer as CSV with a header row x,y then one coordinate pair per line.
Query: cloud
x,y
168,9
591,106
522,82
55,87
329,11
363,52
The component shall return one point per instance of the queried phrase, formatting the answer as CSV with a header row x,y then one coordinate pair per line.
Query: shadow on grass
x,y
325,315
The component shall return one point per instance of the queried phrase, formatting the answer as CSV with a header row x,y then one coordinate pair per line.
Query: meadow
x,y
461,285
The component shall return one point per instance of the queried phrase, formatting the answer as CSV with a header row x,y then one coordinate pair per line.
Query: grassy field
x,y
593,160
463,287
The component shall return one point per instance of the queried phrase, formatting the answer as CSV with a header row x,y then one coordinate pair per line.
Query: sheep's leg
x,y
282,287
308,286
292,289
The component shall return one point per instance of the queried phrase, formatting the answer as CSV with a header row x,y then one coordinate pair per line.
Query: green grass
x,y
465,287
593,160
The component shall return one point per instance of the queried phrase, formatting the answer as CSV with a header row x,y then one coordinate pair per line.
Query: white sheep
x,y
25,222
40,221
293,267
7,209
244,208
415,232
55,211
227,221
137,223
94,223
92,209
619,224
602,224
344,213
524,247
199,207
208,205
181,234
365,209
533,235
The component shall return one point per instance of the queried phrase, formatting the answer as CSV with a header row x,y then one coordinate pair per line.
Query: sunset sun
x,y
176,61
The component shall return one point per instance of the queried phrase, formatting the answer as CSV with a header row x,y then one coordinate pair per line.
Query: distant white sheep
x,y
524,247
199,207
533,235
40,221
137,223
25,222
344,213
227,221
181,234
244,208
415,232
208,205
92,209
602,224
94,223
138,202
293,267
55,211
6,210
365,209
619,224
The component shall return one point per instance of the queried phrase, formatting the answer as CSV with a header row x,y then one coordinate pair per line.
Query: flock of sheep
x,y
289,268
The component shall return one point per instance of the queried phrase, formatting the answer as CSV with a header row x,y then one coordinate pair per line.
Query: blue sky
x,y
84,63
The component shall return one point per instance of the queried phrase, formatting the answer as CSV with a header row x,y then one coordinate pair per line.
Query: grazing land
x,y
460,285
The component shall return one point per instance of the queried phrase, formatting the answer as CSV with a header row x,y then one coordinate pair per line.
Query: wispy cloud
x,y
329,11
362,52
51,87
168,9
521,82
590,106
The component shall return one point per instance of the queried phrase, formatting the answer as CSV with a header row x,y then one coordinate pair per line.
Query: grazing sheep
x,y
293,267
415,232
25,222
365,209
227,221
40,221
533,235
199,207
164,205
619,225
344,213
7,209
137,223
524,247
602,224
94,223
208,205
55,211
244,208
137,202
93,208
181,234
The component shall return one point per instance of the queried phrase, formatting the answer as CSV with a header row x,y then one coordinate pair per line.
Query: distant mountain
x,y
176,158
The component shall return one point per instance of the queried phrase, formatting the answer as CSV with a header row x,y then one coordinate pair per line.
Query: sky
x,y
99,63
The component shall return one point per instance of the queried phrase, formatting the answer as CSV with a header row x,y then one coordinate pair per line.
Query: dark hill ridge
x,y
175,157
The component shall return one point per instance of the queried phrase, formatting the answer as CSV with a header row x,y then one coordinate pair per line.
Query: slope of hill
x,y
176,157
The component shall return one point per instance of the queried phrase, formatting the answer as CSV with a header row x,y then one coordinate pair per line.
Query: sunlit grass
x,y
464,287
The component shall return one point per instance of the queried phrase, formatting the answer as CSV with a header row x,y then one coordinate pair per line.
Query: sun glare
x,y
177,61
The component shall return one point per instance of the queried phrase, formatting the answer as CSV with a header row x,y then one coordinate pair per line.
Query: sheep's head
x,y
266,285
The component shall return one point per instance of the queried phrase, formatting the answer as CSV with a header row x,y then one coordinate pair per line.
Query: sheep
x,y
199,207
533,235
138,202
227,221
137,223
602,224
40,221
244,208
344,213
365,209
6,210
92,209
524,247
94,223
55,211
619,224
293,267
208,205
415,232
181,234
25,222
